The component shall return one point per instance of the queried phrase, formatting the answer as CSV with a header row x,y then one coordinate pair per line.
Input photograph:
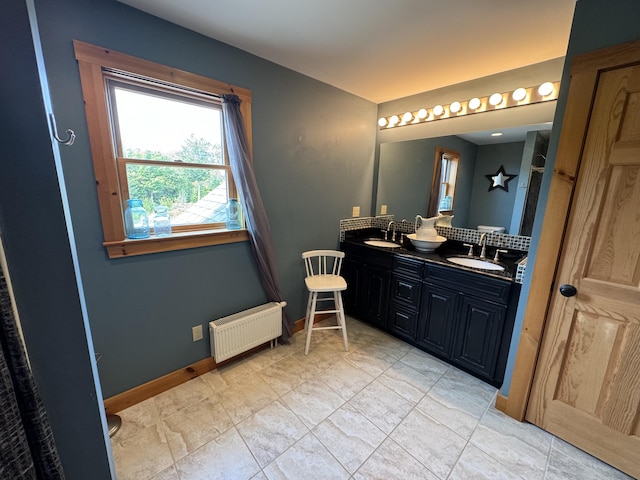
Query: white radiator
x,y
237,333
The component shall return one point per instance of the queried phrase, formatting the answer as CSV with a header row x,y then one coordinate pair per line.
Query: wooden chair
x,y
323,277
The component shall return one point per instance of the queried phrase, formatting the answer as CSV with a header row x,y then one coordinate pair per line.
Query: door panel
x,y
587,382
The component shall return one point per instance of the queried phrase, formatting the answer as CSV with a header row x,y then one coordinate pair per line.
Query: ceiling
x,y
382,50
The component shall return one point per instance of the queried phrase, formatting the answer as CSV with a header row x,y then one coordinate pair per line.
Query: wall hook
x,y
71,135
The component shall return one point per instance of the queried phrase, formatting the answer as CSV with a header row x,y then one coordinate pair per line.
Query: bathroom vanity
x,y
461,315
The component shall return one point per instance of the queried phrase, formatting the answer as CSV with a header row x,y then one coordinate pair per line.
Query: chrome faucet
x,y
483,244
393,234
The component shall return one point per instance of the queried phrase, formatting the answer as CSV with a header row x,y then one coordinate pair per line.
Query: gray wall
x,y
313,155
40,257
406,172
494,207
596,24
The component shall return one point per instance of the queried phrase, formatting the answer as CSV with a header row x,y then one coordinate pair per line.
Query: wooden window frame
x,y
437,183
94,63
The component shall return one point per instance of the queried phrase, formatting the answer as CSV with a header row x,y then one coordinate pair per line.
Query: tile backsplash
x,y
500,240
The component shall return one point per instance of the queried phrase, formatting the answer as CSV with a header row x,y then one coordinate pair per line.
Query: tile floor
x,y
384,410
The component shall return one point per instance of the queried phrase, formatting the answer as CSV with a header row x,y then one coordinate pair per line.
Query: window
x,y
443,187
156,134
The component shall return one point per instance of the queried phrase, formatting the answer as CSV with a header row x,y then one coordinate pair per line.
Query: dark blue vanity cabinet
x,y
368,277
463,317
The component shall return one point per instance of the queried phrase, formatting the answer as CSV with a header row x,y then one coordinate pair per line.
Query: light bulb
x,y
394,120
495,99
455,107
382,122
474,103
422,113
545,89
438,110
407,117
519,94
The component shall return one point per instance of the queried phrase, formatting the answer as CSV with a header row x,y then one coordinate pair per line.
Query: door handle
x,y
567,290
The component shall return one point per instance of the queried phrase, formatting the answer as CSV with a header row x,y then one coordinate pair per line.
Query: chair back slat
x,y
327,262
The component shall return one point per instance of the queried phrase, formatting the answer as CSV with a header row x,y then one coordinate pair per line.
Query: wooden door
x,y
586,387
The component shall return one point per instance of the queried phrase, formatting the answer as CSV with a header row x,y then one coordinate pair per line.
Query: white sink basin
x,y
381,243
476,263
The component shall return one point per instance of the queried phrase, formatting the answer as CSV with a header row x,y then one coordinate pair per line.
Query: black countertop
x,y
449,248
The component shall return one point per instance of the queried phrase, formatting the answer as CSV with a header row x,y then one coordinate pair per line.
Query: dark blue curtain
x,y
254,212
27,448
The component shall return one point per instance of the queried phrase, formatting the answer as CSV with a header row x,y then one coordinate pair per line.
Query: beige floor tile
x,y
383,410
271,431
390,461
182,396
349,436
241,400
381,405
168,474
474,464
286,374
371,361
567,458
136,418
193,426
522,448
313,401
346,379
407,382
430,442
424,363
224,458
307,459
142,455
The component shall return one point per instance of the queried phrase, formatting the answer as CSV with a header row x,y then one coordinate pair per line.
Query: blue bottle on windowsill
x,y
136,221
234,217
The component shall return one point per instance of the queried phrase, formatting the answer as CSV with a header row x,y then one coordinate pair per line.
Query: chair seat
x,y
325,283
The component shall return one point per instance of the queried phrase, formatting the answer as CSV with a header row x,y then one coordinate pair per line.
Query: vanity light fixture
x,y
519,94
519,97
546,89
474,103
495,99
496,134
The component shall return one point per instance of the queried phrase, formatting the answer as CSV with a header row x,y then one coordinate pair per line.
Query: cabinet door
x,y
353,273
478,335
402,321
376,296
435,323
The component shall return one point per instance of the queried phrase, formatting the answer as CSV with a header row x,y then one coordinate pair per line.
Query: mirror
x,y
405,173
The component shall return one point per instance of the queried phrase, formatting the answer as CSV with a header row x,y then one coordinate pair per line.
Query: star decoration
x,y
500,179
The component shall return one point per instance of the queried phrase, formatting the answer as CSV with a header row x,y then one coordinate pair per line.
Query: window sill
x,y
176,241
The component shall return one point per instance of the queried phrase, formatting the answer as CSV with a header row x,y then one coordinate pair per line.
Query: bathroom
x,y
299,154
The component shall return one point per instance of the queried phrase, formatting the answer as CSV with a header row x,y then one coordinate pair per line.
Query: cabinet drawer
x,y
408,266
402,321
405,290
488,288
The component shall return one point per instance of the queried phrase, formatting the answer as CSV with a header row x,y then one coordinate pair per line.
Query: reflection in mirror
x,y
443,187
406,173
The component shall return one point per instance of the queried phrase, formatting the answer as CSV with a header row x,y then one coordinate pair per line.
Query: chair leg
x,y
306,317
341,319
312,315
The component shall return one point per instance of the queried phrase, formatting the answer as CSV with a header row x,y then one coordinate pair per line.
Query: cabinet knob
x,y
567,290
